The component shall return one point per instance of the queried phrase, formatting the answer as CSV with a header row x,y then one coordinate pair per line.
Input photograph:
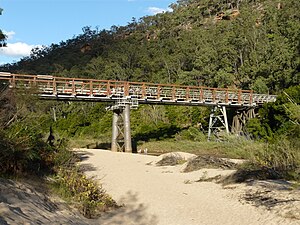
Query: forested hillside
x,y
249,44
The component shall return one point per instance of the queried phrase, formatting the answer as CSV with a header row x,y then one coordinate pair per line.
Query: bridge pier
x,y
127,131
240,119
121,132
115,147
217,121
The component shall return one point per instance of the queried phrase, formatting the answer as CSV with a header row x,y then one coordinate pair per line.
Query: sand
x,y
26,203
154,195
166,196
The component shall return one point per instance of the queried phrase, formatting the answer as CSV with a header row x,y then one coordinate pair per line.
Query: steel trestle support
x,y
218,122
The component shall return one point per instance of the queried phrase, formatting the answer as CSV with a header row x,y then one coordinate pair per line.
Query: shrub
x,y
89,197
24,154
191,134
282,157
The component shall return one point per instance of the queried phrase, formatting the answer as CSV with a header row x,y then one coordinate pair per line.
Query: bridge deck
x,y
62,88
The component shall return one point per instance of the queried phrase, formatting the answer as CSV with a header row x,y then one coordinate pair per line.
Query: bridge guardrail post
x,y
226,96
91,88
143,90
251,97
158,92
214,94
13,83
54,86
173,93
201,94
73,87
239,96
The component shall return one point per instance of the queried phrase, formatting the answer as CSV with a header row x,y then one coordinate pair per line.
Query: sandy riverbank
x,y
27,203
166,196
156,195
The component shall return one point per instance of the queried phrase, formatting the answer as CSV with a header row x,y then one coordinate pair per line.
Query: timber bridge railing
x,y
128,95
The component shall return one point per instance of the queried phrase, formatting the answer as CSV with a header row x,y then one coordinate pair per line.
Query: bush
x,y
282,157
191,134
72,184
24,154
89,197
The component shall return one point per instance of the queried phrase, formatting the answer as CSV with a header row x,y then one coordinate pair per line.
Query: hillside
x,y
250,44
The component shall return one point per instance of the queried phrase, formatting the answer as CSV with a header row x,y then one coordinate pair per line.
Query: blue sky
x,y
30,23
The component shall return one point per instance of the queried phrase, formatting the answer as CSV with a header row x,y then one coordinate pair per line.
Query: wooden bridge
x,y
126,95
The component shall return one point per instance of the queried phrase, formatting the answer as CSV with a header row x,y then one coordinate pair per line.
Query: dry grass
x,y
239,148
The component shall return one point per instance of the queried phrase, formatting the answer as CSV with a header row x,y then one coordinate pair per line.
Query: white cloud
x,y
9,34
156,10
18,49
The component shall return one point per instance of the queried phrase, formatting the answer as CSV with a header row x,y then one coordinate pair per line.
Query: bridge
x,y
128,95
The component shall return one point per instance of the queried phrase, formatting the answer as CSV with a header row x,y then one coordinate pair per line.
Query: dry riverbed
x,y
162,195
165,195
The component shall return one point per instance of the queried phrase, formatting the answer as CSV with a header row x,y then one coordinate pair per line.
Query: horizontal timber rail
x,y
62,88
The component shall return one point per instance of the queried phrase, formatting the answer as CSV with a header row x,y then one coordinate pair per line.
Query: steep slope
x,y
229,43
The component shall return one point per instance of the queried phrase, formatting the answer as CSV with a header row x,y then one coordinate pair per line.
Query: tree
x,y
2,35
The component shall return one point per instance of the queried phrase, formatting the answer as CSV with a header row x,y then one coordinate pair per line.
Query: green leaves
x,y
2,35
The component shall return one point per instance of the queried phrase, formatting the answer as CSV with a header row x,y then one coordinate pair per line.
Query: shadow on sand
x,y
133,213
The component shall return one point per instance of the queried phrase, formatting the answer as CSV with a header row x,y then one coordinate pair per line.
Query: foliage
x,y
245,44
281,117
88,195
282,157
71,183
25,150
22,123
236,147
192,134
2,36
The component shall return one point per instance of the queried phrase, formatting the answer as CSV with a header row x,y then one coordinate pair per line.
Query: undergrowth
x,y
237,147
282,156
84,192
87,195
